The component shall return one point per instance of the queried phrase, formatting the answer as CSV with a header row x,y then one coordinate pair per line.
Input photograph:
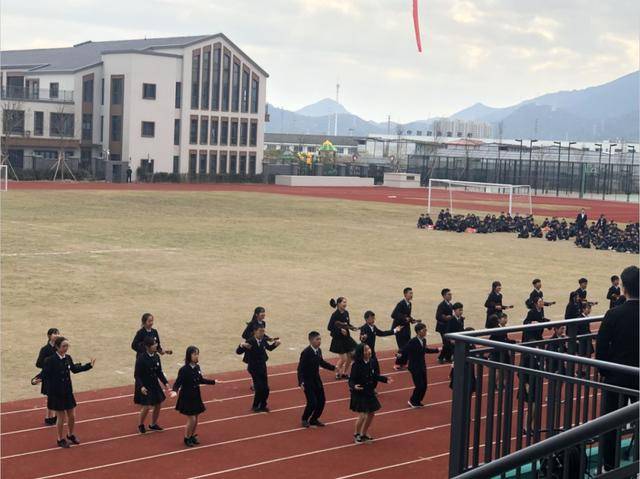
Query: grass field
x,y
91,262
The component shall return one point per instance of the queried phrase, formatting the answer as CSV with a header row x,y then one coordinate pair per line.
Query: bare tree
x,y
13,125
62,127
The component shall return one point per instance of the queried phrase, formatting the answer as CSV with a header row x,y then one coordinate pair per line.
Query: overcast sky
x,y
497,52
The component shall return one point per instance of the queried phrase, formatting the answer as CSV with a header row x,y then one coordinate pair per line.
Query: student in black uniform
x,y
56,375
581,292
614,291
494,301
413,353
363,380
46,351
585,345
148,393
256,320
147,330
572,310
535,294
559,346
402,317
189,399
342,343
255,351
498,323
310,382
443,315
369,331
535,315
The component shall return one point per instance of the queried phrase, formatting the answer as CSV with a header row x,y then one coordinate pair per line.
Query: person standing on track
x,y
148,393
494,301
342,343
309,380
613,295
57,378
45,352
189,398
257,319
369,331
147,330
535,294
443,316
402,317
413,353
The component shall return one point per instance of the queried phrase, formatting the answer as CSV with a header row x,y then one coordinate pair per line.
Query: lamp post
x,y
571,166
519,167
531,142
632,149
559,143
599,145
608,171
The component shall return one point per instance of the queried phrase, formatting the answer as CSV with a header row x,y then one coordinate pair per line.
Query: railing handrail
x,y
532,327
555,443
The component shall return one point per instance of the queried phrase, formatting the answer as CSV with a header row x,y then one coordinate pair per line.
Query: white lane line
x,y
93,251
400,464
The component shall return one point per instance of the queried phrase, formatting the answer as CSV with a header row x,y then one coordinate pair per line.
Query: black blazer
x,y
612,295
370,339
414,353
338,317
56,373
46,351
456,325
256,357
138,340
444,309
189,380
309,367
494,299
617,342
251,325
367,375
402,317
534,316
148,371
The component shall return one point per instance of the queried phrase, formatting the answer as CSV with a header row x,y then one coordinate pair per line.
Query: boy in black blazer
x,y
402,317
309,380
255,351
369,331
413,353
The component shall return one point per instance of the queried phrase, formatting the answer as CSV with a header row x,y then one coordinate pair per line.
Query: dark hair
x,y
469,329
358,354
406,290
572,296
52,331
259,310
148,341
190,351
630,280
537,280
457,306
495,284
583,280
419,327
59,340
146,316
335,302
257,326
614,278
444,291
585,305
493,321
313,334
368,314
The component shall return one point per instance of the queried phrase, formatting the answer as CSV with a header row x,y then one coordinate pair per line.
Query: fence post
x,y
459,410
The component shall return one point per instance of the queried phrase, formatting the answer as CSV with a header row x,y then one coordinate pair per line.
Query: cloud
x,y
465,12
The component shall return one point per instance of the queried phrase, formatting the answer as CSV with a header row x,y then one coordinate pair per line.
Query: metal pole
x,y
630,179
450,199
510,199
608,171
519,167
559,143
531,142
429,198
599,145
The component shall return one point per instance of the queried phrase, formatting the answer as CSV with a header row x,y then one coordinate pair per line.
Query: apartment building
x,y
194,105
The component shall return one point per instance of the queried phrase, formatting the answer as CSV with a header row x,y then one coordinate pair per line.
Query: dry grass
x,y
202,261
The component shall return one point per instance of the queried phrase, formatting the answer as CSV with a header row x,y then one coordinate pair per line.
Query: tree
x,y
13,123
62,127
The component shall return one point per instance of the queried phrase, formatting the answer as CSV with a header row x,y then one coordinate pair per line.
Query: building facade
x,y
188,105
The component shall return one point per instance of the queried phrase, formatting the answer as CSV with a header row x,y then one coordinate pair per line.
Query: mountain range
x,y
602,112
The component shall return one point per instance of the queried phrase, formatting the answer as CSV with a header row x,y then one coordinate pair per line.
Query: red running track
x,y
472,201
235,442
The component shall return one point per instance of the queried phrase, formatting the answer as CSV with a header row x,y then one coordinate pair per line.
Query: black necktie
x,y
424,343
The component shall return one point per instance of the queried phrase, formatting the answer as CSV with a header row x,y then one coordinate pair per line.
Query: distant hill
x,y
324,107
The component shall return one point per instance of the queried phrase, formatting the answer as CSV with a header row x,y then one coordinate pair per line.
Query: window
x,y
252,164
224,132
195,79
253,134
215,89
148,129
243,164
255,86
61,124
234,132
46,154
223,163
176,131
13,122
193,163
16,158
213,139
178,94
117,90
245,91
101,128
235,87
204,130
149,91
233,164
87,90
116,128
54,89
213,163
202,169
176,165
193,131
226,65
244,127
38,123
102,92
87,126
206,78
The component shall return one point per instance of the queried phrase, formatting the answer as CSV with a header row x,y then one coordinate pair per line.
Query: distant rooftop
x,y
87,54
299,138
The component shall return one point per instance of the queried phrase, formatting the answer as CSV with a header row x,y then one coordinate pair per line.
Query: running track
x,y
542,205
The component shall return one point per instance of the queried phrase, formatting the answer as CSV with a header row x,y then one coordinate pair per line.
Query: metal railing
x,y
33,94
507,397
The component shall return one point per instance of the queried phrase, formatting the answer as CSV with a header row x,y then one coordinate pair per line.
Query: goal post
x,y
4,177
513,195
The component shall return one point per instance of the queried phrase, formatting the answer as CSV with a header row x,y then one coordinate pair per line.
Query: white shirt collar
x,y
315,350
61,357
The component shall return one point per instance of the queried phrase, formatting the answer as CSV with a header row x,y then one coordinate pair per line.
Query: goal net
x,y
470,195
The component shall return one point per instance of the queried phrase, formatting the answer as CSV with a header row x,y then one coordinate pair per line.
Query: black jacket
x,y
414,353
256,357
251,325
367,375
138,341
612,295
56,373
309,367
533,317
617,342
189,380
148,371
444,309
370,339
402,317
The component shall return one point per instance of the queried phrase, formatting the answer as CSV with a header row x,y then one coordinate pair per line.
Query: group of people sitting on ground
x,y
602,234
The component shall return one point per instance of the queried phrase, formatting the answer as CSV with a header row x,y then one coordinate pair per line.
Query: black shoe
x,y
49,421
256,409
317,423
264,409
141,428
344,376
366,438
187,442
73,439
305,423
63,444
194,439
155,427
357,438
411,405
440,360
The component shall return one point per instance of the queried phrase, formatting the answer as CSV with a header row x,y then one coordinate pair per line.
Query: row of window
x,y
218,163
220,131
60,124
239,87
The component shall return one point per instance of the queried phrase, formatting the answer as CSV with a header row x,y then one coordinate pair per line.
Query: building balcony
x,y
15,93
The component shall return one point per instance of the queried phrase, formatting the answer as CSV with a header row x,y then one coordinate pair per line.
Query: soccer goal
x,y
4,177
515,198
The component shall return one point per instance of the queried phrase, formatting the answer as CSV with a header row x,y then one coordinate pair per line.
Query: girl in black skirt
x,y
46,351
189,401
364,377
56,375
147,330
148,392
341,341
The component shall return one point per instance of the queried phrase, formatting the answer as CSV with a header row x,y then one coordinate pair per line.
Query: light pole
x,y
519,167
559,143
599,145
531,142
571,166
632,149
611,145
